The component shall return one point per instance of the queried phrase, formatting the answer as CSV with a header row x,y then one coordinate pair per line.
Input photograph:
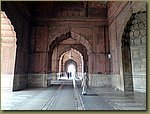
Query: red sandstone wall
x,y
39,47
54,21
97,36
114,10
32,52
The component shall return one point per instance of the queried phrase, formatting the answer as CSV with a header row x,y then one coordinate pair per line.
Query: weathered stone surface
x,y
100,80
37,80
20,81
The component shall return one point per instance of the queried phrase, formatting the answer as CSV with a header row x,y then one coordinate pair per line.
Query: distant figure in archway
x,y
84,84
68,75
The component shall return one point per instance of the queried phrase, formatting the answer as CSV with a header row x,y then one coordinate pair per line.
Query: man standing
x,y
84,84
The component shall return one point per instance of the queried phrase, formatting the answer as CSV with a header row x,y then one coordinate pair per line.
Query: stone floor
x,y
65,96
123,100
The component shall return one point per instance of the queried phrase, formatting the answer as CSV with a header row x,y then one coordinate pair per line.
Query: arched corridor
x,y
48,47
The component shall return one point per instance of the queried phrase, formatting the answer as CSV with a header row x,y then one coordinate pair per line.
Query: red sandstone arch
x,y
66,36
72,35
62,68
8,52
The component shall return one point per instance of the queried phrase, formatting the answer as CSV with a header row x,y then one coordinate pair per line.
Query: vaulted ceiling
x,y
73,9
61,9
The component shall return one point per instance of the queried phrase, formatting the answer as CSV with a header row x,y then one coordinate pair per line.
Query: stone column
x,y
90,67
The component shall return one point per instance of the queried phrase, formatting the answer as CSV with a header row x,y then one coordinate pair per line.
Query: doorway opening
x,y
71,61
71,70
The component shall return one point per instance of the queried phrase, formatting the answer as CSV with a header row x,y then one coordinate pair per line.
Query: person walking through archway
x,y
84,84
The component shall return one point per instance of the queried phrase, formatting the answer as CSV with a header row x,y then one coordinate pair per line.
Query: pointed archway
x,y
72,35
8,52
134,53
72,55
82,40
71,67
